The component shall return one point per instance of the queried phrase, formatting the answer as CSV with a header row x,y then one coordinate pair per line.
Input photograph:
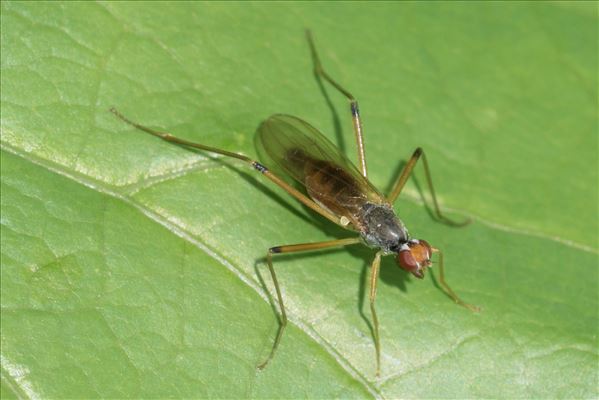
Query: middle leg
x,y
294,248
374,278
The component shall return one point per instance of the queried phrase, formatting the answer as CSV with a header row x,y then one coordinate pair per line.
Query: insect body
x,y
332,181
337,190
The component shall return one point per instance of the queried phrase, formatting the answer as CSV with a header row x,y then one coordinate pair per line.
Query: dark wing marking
x,y
304,154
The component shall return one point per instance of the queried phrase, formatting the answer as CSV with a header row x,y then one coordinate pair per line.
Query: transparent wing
x,y
304,154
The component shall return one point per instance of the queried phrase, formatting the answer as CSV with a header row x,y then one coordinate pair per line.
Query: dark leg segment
x,y
355,112
405,175
294,248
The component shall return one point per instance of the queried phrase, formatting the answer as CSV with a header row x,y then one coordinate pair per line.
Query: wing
x,y
304,154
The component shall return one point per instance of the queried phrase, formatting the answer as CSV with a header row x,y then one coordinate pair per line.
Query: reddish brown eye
x,y
406,260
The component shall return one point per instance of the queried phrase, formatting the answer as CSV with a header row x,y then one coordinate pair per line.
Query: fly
x,y
338,191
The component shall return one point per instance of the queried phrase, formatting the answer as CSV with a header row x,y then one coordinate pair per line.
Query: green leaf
x,y
134,268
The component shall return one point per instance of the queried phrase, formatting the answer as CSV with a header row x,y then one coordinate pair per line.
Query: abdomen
x,y
332,187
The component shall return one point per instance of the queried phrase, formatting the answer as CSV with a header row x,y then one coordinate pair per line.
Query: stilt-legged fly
x,y
337,190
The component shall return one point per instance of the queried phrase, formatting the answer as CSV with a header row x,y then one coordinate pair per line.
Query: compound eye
x,y
406,260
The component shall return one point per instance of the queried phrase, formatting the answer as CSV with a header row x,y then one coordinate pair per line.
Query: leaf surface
x,y
133,268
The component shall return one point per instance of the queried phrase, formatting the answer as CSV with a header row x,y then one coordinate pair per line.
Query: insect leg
x,y
374,276
254,164
403,178
448,290
294,248
355,111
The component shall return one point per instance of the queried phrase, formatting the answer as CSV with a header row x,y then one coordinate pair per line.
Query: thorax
x,y
381,228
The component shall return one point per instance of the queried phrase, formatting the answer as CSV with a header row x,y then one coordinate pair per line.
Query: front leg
x,y
448,290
